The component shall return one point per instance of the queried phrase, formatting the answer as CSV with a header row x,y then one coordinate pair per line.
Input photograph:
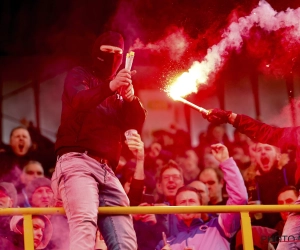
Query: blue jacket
x,y
216,233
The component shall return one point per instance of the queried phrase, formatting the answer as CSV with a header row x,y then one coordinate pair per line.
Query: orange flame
x,y
188,82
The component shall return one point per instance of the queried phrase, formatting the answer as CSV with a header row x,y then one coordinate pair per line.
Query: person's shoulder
x,y
80,69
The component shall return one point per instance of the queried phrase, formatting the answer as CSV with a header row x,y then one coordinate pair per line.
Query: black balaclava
x,y
106,64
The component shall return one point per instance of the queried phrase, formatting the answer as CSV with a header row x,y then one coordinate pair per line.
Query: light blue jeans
x,y
290,239
83,184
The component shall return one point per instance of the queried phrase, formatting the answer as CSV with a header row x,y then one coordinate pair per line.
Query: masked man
x,y
98,106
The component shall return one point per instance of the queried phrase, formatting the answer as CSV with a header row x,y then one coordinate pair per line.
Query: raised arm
x,y
83,90
256,130
237,193
136,146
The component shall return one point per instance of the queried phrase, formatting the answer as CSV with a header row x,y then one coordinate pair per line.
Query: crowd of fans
x,y
165,173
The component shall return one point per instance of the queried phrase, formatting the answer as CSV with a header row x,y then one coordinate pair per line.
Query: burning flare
x,y
263,16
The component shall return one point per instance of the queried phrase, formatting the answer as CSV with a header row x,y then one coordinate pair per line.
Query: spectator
x,y
189,162
241,156
31,171
209,161
213,179
270,179
284,138
216,233
287,195
203,190
42,147
39,192
165,139
17,155
8,199
8,195
149,227
170,178
19,152
261,238
155,158
42,231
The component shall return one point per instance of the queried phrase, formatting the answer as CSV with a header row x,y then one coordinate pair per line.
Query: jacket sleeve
x,y
264,133
79,94
237,195
288,137
133,115
135,193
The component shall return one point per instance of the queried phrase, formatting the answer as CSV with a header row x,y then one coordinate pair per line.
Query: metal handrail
x,y
243,209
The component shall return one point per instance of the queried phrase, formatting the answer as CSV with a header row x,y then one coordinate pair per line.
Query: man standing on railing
x,y
216,233
288,137
98,106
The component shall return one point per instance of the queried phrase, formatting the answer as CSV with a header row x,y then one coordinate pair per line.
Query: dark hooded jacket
x,y
94,118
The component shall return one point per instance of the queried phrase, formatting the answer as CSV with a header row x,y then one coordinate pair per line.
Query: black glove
x,y
217,116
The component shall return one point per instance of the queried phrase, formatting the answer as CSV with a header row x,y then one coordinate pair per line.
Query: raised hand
x,y
123,78
220,152
136,146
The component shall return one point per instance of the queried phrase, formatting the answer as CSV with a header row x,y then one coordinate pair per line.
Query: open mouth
x,y
171,187
21,147
265,161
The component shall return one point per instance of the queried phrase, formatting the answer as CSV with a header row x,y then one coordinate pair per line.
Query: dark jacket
x,y
94,118
269,184
283,138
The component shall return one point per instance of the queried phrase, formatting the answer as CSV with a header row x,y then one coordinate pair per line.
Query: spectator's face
x,y
189,163
187,198
218,133
20,141
171,180
210,179
286,198
31,172
38,231
266,156
41,197
155,149
5,201
202,188
209,161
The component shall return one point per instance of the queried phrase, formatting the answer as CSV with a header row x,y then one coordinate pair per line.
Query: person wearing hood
x,y
42,231
98,106
8,199
217,232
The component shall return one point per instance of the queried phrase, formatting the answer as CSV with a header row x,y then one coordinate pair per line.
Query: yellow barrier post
x,y
246,231
28,232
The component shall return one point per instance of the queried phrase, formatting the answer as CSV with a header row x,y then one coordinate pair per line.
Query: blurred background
x,y
40,41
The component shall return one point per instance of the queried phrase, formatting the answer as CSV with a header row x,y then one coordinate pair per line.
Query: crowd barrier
x,y
244,210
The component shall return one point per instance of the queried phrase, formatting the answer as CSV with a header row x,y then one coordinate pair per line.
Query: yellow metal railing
x,y
244,210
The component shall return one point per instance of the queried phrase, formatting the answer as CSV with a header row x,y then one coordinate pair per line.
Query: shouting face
x,y
266,156
20,141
